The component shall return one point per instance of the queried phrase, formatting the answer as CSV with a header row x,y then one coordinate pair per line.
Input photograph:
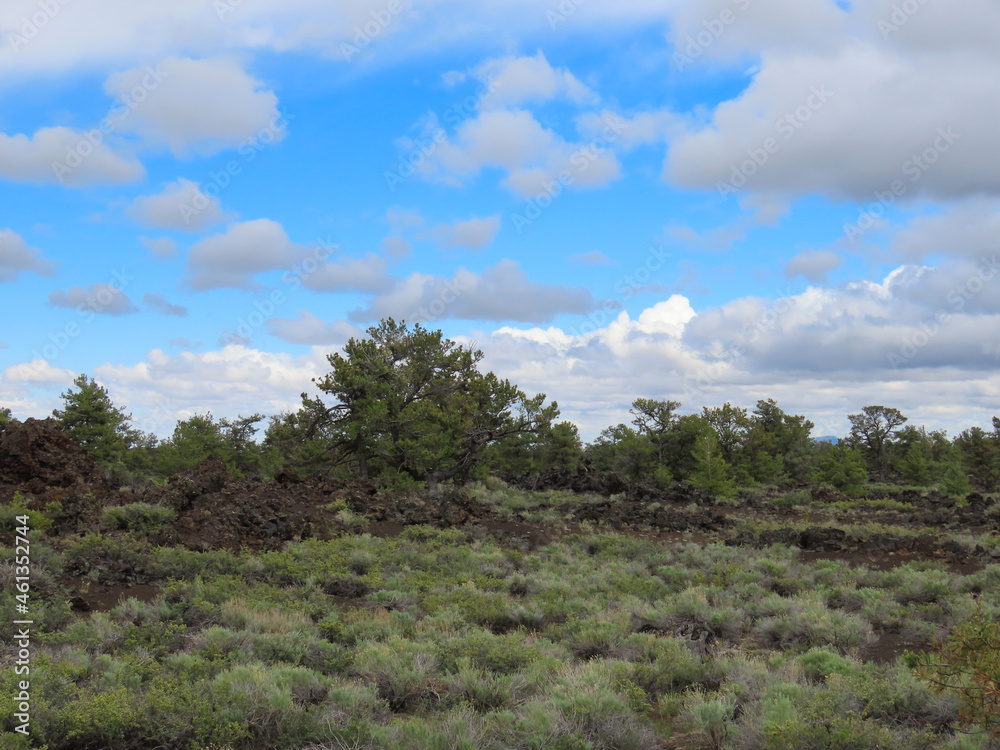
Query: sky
x,y
708,202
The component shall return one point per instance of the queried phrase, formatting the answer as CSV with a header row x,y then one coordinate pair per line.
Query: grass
x,y
443,639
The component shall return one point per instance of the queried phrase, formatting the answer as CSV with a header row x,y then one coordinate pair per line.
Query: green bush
x,y
140,517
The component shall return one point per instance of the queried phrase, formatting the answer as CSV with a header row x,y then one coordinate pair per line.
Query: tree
x,y
409,402
654,419
6,418
778,445
914,467
624,451
843,467
980,453
874,428
713,473
731,425
967,664
92,420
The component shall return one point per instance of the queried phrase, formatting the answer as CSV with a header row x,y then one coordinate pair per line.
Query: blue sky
x,y
716,201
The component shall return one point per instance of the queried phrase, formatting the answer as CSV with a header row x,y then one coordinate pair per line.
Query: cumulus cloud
x,y
162,389
823,353
16,257
100,298
39,372
197,106
65,156
181,206
851,123
502,292
367,274
532,155
517,80
158,302
628,132
472,234
162,248
233,258
306,328
813,265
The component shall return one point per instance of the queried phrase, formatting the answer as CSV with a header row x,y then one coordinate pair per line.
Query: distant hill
x,y
827,439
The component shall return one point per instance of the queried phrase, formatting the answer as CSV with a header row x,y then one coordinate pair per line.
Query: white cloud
x,y
533,156
473,234
158,302
162,248
65,156
100,298
640,129
306,328
233,380
197,106
518,80
232,259
849,124
367,274
180,206
814,265
502,292
39,372
16,257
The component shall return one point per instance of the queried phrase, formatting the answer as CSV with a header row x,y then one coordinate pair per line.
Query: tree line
x,y
408,408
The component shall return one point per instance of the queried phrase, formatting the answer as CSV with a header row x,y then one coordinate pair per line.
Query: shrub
x,y
140,517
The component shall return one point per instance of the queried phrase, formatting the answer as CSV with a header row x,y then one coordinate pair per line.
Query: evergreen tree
x,y
914,467
6,418
955,481
92,420
844,468
713,474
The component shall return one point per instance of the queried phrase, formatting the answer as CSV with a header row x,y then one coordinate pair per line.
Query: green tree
x,y
915,468
955,481
6,418
654,419
299,441
980,452
778,445
624,451
713,473
731,424
873,428
194,440
409,402
90,418
843,467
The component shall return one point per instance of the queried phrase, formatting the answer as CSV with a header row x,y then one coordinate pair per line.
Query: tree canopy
x,y
411,403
